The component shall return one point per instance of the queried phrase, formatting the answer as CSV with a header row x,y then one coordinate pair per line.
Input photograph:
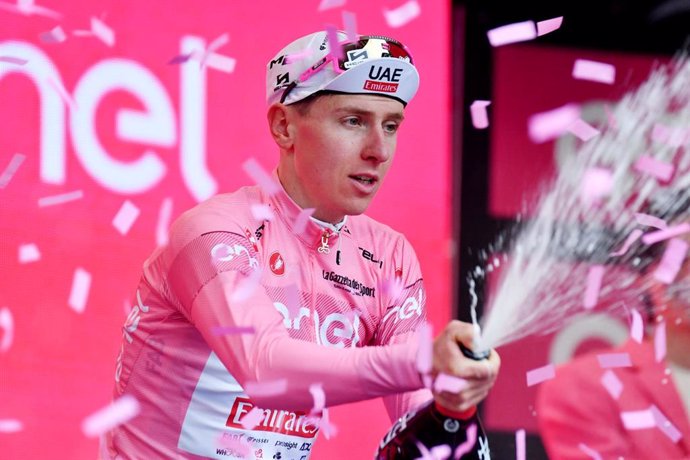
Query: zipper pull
x,y
324,249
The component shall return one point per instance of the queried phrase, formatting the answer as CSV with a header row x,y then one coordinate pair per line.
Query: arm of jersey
x,y
204,286
574,410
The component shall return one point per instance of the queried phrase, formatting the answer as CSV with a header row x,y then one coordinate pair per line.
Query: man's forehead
x,y
365,104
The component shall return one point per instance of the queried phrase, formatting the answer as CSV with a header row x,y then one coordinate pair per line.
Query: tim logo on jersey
x,y
383,79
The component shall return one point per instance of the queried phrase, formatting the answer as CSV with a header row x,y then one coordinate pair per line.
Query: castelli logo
x,y
277,264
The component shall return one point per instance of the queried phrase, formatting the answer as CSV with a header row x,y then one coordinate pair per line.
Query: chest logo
x,y
277,264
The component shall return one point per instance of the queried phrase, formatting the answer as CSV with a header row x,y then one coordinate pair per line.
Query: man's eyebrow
x,y
398,116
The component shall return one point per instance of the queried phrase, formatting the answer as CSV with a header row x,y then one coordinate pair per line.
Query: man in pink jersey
x,y
244,314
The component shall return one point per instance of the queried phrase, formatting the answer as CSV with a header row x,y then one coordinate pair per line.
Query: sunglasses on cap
x,y
353,54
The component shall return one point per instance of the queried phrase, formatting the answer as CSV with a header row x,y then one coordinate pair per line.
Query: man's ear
x,y
279,119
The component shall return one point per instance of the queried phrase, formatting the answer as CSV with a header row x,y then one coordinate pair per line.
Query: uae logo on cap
x,y
276,264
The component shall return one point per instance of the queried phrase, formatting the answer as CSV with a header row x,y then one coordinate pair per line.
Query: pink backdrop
x,y
157,134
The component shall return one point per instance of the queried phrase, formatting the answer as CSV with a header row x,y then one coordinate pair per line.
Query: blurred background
x,y
107,134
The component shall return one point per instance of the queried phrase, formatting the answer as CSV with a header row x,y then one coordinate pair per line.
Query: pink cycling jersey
x,y
235,305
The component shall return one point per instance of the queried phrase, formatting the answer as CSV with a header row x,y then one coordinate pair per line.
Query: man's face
x,y
343,148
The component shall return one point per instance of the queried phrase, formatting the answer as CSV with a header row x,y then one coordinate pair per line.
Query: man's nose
x,y
377,148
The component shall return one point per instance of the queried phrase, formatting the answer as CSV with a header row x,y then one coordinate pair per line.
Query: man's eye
x,y
352,121
390,127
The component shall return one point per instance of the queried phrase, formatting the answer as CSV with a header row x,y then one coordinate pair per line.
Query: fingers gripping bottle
x,y
433,432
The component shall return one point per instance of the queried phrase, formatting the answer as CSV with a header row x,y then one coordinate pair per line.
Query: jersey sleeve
x,y
213,281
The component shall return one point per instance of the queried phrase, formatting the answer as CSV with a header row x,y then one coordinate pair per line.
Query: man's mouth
x,y
364,179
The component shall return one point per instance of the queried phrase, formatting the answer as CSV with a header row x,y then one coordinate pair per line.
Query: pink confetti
x,y
636,326
264,180
638,419
221,62
426,348
671,261
549,125
29,8
11,168
583,130
449,383
612,384
219,41
441,452
672,137
302,219
512,33
350,24
59,199
118,412
520,442
232,330
480,118
81,283
10,425
405,13
470,440
650,221
316,390
62,92
328,429
665,425
610,118
269,388
262,212
294,57
656,168
103,32
589,451
612,360
236,445
13,60
125,217
334,47
632,237
180,59
246,287
540,374
7,327
329,4
549,25
54,35
163,224
594,71
665,234
29,253
660,341
252,418
594,277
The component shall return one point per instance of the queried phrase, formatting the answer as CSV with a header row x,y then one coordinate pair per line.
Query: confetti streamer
x,y
79,293
220,62
426,348
612,384
638,420
62,92
650,221
316,390
13,60
302,219
594,71
589,451
405,13
329,429
335,49
636,326
449,383
656,168
103,32
540,374
583,130
252,418
125,217
660,341
54,35
232,330
10,425
596,184
7,327
262,212
269,388
671,261
672,137
180,59
512,33
480,118
549,25
330,4
665,425
59,199
264,180
520,442
350,24
612,360
29,253
163,224
304,54
549,125
120,411
11,169
594,277
29,8
665,234
632,237
470,441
